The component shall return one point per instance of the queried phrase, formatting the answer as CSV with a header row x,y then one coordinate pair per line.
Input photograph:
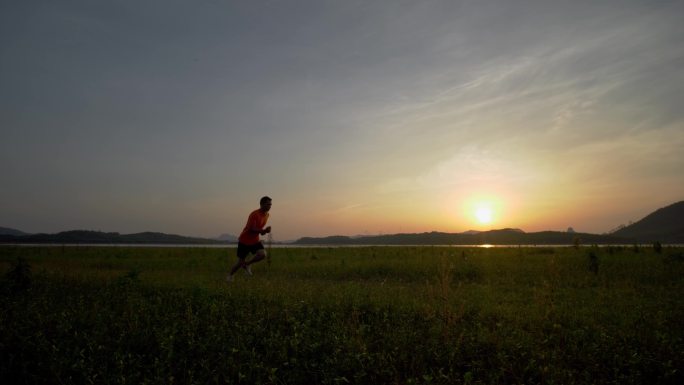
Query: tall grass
x,y
396,315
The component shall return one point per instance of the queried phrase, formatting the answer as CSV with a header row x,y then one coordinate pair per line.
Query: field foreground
x,y
367,315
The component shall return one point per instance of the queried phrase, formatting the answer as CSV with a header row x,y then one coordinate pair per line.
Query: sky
x,y
356,117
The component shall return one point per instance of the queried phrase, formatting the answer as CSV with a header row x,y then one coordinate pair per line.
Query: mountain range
x,y
492,237
98,237
8,231
665,225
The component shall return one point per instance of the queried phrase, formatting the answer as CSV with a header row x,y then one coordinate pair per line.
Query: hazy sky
x,y
356,117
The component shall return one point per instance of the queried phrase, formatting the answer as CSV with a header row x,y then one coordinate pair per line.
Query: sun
x,y
484,214
482,210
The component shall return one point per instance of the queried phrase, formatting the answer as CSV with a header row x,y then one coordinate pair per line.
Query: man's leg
x,y
260,255
240,263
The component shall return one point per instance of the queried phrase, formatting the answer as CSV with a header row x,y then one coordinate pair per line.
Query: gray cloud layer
x,y
116,114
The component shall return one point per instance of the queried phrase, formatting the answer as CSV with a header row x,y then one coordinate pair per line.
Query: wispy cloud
x,y
343,108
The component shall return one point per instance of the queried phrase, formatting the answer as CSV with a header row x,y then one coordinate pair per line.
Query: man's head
x,y
265,203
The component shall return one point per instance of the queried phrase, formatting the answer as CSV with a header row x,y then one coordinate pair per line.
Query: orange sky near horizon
x,y
362,117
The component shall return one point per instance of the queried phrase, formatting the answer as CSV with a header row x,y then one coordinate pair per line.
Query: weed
x,y
100,315
576,241
593,262
19,277
657,247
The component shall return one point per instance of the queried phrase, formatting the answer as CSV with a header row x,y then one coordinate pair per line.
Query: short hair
x,y
264,199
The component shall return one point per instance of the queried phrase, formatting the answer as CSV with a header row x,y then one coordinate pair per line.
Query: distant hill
x,y
494,237
227,238
663,225
9,231
98,237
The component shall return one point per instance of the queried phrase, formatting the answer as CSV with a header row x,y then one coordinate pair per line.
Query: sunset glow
x,y
483,211
484,214
357,118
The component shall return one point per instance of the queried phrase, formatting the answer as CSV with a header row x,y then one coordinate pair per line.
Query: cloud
x,y
361,105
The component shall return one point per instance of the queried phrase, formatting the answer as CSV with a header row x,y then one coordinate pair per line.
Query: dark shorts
x,y
244,250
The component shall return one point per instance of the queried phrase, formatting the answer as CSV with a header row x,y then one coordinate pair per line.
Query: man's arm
x,y
255,228
261,231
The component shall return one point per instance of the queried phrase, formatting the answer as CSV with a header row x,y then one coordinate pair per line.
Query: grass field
x,y
365,315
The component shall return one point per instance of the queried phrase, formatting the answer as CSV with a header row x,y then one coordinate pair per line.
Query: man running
x,y
248,242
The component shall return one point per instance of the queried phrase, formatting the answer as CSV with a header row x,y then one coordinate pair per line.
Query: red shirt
x,y
255,223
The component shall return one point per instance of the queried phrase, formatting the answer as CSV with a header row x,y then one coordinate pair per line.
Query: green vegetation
x,y
369,315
